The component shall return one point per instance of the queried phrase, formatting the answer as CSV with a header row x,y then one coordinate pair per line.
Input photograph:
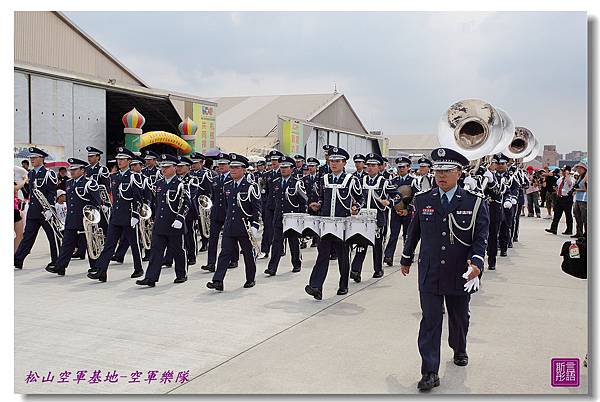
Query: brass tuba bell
x,y
475,128
521,144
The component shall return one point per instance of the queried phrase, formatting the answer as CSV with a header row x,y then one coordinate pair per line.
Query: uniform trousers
x,y
397,222
215,233
430,329
110,244
361,252
32,227
229,251
319,272
277,249
174,245
267,239
495,209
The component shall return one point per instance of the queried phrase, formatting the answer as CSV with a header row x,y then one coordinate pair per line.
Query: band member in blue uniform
x,y
340,196
425,179
399,219
205,187
126,188
81,192
509,202
96,171
452,225
377,193
299,161
191,184
359,164
290,196
311,185
218,213
493,195
523,183
136,168
325,168
383,169
271,179
241,224
151,174
172,205
45,182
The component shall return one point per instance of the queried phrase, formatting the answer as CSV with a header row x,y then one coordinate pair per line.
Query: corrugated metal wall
x,y
62,114
43,39
21,108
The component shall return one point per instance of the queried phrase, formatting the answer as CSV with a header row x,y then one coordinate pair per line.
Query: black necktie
x,y
445,203
334,180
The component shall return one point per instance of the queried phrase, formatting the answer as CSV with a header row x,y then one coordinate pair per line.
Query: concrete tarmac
x,y
276,339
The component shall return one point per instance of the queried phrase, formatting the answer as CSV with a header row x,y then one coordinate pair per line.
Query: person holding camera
x,y
533,193
580,207
564,202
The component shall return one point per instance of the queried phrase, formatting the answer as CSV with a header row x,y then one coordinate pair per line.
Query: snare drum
x,y
361,228
311,226
332,226
293,222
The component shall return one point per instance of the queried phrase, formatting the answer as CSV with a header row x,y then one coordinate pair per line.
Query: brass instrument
x,y
55,222
94,235
405,196
253,240
204,207
105,201
145,226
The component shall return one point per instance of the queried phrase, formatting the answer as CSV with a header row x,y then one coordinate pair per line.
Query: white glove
x,y
105,208
254,232
513,201
473,284
489,175
134,222
47,215
177,224
470,183
507,204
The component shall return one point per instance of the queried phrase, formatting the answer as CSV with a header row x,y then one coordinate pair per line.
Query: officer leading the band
x,y
452,225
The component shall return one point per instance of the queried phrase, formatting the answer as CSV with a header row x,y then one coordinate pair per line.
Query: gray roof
x,y
256,116
413,141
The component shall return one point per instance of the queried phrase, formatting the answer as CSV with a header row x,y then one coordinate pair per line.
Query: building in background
x,y
70,92
576,155
550,157
412,145
294,124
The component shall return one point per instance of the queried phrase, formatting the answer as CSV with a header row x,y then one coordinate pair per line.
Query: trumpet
x,y
55,222
94,235
145,226
204,208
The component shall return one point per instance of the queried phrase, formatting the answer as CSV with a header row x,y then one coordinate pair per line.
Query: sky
x,y
399,70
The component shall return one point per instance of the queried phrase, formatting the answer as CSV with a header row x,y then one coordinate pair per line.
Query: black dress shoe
x,y
137,274
429,381
510,245
115,259
269,272
296,269
215,285
550,231
515,240
203,249
208,267
145,282
92,270
378,274
316,293
570,232
78,256
249,284
97,275
146,259
18,264
60,271
461,359
51,265
492,268
50,269
388,261
355,276
503,253
180,280
191,262
342,291
232,265
166,265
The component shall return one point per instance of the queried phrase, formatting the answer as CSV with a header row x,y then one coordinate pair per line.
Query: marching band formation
x,y
460,204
